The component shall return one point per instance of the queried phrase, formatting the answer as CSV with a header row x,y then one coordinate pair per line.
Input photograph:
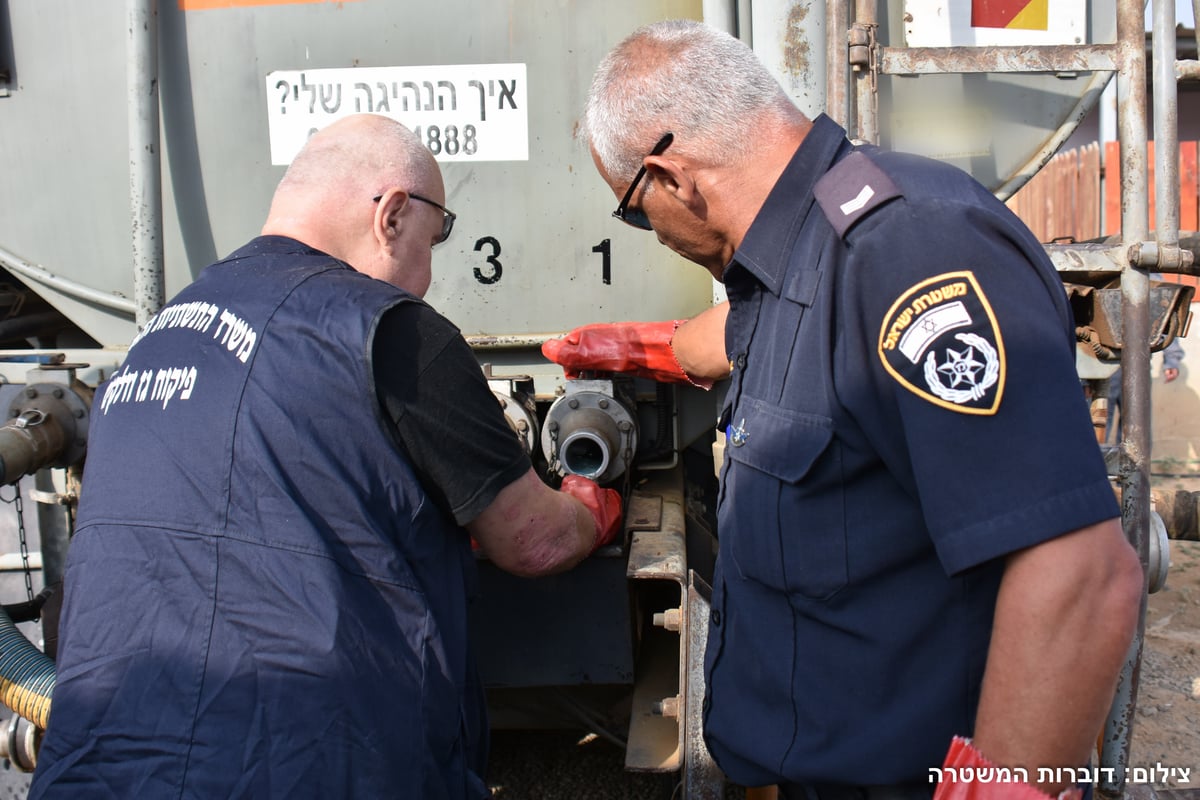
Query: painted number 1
x,y
605,250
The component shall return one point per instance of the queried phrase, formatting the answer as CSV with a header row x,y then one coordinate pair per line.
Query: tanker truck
x,y
142,141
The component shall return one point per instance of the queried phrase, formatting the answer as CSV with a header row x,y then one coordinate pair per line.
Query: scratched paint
x,y
797,49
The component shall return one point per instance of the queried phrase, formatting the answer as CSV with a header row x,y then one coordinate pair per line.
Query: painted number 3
x,y
493,260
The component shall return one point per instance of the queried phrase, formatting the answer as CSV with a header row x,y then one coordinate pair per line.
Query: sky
x,y
1183,14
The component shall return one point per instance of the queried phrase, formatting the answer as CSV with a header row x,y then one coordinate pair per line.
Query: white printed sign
x,y
462,112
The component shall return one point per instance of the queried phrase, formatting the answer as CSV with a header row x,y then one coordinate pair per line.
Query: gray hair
x,y
705,86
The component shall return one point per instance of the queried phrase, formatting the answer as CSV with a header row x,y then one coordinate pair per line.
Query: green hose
x,y
26,674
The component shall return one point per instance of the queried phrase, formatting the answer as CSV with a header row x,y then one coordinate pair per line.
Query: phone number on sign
x,y
448,139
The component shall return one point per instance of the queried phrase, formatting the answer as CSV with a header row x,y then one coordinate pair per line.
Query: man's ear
x,y
389,215
673,177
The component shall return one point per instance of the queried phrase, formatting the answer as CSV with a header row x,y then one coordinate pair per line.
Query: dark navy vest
x,y
261,599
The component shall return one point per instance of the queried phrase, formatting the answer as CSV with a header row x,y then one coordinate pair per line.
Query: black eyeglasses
x,y
448,216
636,216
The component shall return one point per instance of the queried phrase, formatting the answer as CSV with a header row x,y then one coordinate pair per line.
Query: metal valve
x,y
589,432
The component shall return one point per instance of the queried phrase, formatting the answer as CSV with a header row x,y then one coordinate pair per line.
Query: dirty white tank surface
x,y
495,90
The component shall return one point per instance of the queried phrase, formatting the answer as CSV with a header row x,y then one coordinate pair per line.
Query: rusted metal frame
x,y
1135,362
837,53
1106,257
1086,257
658,552
1101,60
1187,70
1039,58
863,57
510,341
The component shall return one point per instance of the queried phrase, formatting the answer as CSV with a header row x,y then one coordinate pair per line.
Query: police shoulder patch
x,y
940,340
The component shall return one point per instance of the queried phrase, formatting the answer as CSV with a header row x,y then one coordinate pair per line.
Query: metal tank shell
x,y
534,250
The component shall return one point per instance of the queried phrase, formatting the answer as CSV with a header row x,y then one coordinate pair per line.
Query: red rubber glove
x,y
640,348
968,775
604,505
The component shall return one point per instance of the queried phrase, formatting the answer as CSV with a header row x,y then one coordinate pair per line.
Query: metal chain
x,y
552,467
16,502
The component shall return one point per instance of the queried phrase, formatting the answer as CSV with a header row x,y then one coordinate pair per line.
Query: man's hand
x,y
604,505
637,348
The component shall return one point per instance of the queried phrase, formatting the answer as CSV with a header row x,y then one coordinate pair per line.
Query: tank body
x,y
494,89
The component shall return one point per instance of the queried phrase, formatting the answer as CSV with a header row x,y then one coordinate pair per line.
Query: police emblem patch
x,y
940,341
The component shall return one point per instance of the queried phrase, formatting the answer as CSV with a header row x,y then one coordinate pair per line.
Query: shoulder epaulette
x,y
853,188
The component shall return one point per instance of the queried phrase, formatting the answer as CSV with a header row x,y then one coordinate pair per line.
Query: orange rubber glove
x,y
604,505
968,775
639,348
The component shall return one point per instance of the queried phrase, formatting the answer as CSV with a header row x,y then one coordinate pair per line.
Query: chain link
x,y
552,467
20,507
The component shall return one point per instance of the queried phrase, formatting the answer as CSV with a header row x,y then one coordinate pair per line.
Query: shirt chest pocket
x,y
784,503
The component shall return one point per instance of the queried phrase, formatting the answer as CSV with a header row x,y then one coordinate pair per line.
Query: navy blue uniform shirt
x,y
903,413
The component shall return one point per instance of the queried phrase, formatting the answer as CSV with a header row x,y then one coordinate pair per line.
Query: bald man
x,y
266,592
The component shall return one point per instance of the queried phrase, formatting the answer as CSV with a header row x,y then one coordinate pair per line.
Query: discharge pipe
x,y
28,443
590,442
589,432
47,423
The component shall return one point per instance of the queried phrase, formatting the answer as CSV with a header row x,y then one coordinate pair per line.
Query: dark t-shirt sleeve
x,y
444,414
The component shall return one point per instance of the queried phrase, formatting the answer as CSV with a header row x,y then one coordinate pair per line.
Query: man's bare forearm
x,y
1064,619
699,344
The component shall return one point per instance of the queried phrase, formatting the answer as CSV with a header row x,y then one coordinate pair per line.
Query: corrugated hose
x,y
27,675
